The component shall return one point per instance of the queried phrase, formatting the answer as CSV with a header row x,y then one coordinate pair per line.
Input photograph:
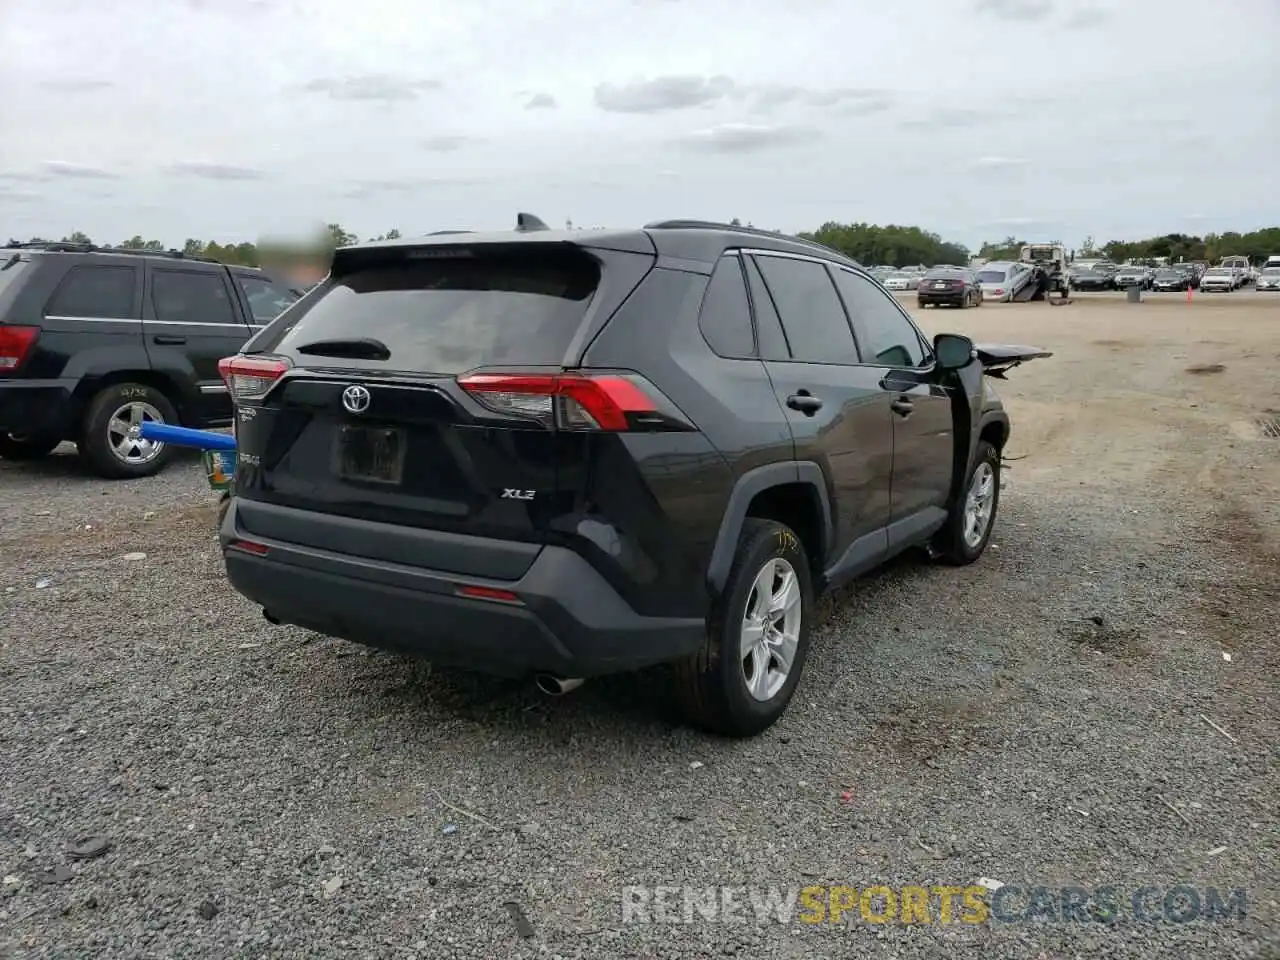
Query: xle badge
x,y
509,494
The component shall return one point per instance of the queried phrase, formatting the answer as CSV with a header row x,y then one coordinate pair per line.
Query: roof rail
x,y
738,228
57,245
67,246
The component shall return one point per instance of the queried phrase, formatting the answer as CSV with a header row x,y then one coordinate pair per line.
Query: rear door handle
x,y
805,402
902,406
169,341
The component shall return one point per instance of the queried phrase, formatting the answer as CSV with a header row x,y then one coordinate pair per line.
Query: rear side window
x,y
815,323
88,291
447,316
725,319
184,296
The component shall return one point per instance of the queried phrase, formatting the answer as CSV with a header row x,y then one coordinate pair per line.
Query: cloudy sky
x,y
231,119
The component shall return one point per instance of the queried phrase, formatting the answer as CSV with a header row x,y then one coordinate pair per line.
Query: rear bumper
x,y
569,621
952,298
35,407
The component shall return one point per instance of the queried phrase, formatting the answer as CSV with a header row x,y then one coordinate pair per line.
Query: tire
x,y
955,543
101,439
26,448
713,686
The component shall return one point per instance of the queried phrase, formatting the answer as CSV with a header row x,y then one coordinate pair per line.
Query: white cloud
x,y
423,114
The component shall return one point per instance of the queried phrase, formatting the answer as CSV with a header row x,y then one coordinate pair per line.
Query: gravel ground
x,y
1037,718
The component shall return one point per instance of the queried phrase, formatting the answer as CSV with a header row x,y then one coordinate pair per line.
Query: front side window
x,y
810,310
889,338
184,296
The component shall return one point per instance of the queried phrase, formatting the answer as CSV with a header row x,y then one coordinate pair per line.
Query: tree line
x,y
870,244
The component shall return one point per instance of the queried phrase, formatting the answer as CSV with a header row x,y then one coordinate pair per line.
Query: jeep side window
x,y
90,291
725,319
889,339
809,308
184,296
266,300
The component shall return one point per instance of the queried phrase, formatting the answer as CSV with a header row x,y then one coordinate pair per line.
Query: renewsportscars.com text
x,y
933,904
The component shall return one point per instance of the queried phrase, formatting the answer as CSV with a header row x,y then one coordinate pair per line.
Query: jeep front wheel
x,y
109,442
757,636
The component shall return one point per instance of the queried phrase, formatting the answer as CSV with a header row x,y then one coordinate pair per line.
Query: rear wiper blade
x,y
361,348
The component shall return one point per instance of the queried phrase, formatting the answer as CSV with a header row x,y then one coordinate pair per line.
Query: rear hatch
x,y
426,388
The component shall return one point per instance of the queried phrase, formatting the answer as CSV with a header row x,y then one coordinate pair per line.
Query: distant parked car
x,y
1171,279
902,281
1220,280
1242,269
1002,279
949,286
1269,278
1090,279
1193,271
1133,276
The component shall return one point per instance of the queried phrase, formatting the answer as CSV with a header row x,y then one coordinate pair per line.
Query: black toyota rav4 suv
x,y
564,454
95,341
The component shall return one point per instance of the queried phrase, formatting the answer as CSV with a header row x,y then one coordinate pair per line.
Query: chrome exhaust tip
x,y
554,686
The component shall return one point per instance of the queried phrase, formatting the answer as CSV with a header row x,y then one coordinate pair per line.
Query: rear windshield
x,y
447,316
1271,271
991,276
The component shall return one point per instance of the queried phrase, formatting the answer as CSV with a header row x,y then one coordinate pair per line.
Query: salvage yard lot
x,y
1038,718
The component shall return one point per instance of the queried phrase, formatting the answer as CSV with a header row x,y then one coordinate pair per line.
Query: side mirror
x,y
952,350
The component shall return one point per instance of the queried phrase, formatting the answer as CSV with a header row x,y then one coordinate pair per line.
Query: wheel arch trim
x,y
744,490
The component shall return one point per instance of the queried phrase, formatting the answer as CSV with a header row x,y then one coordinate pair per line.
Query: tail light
x,y
15,343
998,291
249,378
613,402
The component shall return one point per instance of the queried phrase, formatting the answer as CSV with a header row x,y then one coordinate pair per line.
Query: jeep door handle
x,y
806,403
169,341
902,406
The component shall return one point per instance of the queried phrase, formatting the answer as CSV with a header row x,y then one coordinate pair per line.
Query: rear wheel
x,y
109,443
26,448
757,636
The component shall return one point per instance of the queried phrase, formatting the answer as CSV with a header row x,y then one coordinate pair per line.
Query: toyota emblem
x,y
356,398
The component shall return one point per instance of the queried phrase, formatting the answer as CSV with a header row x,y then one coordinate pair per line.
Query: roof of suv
x,y
90,248
699,241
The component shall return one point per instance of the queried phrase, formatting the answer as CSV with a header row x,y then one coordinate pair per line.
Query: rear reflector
x,y
248,546
15,343
488,593
576,401
249,378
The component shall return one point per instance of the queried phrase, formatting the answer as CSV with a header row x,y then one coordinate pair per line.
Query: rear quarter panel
x,y
679,483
